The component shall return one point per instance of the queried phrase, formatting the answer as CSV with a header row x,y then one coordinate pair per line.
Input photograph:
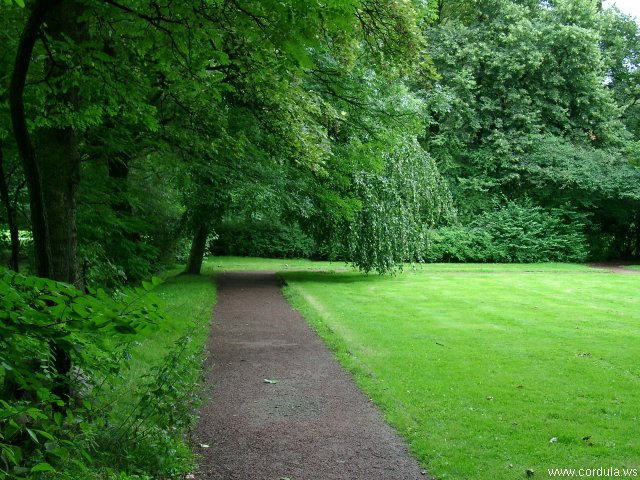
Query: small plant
x,y
150,431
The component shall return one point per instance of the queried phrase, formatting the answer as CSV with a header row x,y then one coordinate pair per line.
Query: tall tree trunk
x,y
11,217
59,163
198,247
59,157
52,170
26,150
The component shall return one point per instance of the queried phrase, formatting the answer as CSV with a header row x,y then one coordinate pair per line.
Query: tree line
x,y
375,132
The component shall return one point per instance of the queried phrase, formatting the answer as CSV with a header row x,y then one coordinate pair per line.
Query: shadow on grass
x,y
331,277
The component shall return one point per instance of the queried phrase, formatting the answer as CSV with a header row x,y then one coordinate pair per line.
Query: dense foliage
x,y
535,101
512,233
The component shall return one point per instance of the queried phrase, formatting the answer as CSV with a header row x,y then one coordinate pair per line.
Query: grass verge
x,y
491,370
155,399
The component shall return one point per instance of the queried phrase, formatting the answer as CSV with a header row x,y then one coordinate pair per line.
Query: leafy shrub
x,y
55,420
261,239
518,233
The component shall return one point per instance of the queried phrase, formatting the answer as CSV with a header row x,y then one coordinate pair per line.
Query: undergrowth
x,y
97,385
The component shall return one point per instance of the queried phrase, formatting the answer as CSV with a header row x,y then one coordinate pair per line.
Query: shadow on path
x,y
281,407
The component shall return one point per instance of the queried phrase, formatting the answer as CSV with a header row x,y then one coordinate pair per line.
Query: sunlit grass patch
x,y
227,264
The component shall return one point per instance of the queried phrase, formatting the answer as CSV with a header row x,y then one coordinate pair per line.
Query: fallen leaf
x,y
204,445
553,440
267,380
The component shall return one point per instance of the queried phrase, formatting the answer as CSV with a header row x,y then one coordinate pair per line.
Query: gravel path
x,y
311,423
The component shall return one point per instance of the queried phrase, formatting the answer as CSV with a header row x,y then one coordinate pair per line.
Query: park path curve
x,y
620,268
312,423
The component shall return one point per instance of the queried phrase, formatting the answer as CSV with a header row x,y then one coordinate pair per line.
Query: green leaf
x,y
32,435
43,467
86,455
46,435
59,452
125,329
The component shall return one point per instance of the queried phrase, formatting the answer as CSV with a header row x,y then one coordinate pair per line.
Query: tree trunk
x,y
59,163
11,217
59,157
198,247
26,150
52,171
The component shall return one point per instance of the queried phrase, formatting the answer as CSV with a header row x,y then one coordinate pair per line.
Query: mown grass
x,y
490,370
226,264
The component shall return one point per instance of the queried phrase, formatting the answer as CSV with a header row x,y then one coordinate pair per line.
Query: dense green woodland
x,y
144,133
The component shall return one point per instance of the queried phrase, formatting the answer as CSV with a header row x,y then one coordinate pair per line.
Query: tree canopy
x,y
144,129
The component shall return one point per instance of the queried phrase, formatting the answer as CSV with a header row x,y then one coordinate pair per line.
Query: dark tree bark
x,y
26,150
119,174
198,247
59,163
11,216
59,157
52,170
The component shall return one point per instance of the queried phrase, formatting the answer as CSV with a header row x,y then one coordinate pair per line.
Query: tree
x,y
532,76
399,205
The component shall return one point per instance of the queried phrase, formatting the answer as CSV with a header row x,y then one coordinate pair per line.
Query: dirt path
x,y
313,424
615,268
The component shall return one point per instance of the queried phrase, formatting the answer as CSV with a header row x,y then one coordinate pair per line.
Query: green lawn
x,y
491,370
226,264
187,302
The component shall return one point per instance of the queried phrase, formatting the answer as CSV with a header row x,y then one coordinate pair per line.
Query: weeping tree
x,y
399,204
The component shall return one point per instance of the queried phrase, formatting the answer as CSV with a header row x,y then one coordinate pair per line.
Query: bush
x,y
57,418
261,239
513,233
